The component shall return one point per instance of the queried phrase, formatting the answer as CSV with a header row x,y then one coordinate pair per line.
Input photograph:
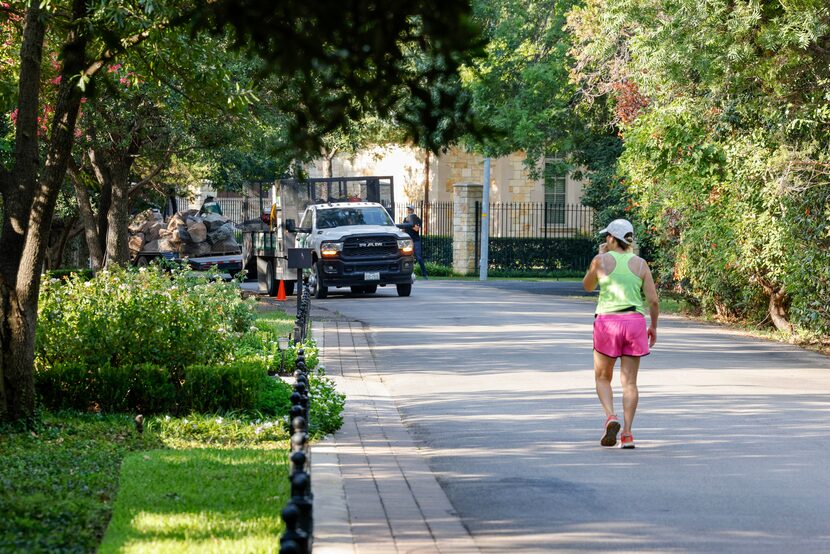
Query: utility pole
x,y
485,223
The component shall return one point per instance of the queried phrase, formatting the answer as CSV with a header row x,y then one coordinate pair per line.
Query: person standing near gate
x,y
412,225
626,288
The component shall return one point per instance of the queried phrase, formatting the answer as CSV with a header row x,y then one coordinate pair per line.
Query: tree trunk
x,y
93,241
778,305
57,241
17,390
19,290
101,173
118,251
17,387
778,301
118,236
328,162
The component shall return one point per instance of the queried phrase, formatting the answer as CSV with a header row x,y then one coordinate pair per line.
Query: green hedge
x,y
437,249
540,254
151,389
145,388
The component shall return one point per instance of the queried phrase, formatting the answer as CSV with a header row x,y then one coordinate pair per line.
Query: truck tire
x,y
142,261
289,287
404,290
270,282
248,257
318,289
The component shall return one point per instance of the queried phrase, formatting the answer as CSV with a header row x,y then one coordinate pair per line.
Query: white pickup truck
x,y
356,245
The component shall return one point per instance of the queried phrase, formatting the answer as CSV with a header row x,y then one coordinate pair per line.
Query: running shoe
x,y
627,440
612,427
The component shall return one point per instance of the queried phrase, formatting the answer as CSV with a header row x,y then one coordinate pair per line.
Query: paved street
x,y
494,384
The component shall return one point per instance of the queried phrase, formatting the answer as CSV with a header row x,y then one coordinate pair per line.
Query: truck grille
x,y
375,246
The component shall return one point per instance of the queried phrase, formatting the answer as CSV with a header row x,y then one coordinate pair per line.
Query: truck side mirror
x,y
289,226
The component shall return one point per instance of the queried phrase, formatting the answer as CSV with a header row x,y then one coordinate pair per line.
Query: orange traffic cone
x,y
281,291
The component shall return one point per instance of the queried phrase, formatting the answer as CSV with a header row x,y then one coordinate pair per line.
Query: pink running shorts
x,y
621,334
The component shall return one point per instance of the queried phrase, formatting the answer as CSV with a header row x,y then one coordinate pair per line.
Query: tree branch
x,y
161,165
108,55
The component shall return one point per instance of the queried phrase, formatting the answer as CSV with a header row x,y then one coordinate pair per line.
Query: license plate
x,y
372,276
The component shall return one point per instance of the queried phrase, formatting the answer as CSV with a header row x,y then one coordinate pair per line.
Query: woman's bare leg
x,y
629,366
603,372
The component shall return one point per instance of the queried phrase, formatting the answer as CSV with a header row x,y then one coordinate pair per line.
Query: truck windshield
x,y
339,217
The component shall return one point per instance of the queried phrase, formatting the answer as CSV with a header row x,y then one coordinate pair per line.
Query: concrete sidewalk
x,y
373,491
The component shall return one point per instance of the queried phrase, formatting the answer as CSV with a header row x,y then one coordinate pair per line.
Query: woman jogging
x,y
626,286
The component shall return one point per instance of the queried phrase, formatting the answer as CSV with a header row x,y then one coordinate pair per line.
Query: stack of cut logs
x,y
186,234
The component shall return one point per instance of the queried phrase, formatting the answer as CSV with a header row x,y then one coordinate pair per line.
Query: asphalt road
x,y
495,381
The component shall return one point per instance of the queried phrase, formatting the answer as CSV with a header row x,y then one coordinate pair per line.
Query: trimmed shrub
x,y
275,398
145,388
437,249
216,388
435,270
526,254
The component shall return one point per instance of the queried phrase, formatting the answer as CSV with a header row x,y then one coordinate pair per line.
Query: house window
x,y
555,177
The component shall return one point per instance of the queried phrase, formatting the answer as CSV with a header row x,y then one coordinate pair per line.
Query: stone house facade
x,y
509,180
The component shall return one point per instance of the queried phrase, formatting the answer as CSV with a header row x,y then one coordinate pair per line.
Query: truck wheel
x,y
270,283
317,288
370,289
404,290
289,287
248,257
142,261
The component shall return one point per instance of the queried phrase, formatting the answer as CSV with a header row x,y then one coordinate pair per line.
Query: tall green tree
x,y
523,88
723,106
360,53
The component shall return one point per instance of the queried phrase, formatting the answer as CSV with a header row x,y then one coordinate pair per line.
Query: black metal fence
x,y
298,515
436,236
537,237
537,220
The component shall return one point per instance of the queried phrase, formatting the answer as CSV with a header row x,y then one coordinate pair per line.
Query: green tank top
x,y
622,289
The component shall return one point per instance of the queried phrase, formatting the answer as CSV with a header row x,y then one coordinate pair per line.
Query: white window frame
x,y
555,211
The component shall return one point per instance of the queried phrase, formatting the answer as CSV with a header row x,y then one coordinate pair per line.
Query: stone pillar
x,y
465,196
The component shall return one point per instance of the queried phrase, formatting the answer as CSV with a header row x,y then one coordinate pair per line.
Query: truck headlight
x,y
330,249
405,246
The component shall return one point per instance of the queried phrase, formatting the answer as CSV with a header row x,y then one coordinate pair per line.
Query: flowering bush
x,y
126,317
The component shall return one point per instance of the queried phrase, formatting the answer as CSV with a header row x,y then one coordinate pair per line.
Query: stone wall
x,y
465,196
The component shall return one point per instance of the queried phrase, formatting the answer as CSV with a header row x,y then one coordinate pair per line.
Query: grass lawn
x,y
274,316
199,500
60,482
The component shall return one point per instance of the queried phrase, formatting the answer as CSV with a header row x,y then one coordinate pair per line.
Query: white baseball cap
x,y
619,228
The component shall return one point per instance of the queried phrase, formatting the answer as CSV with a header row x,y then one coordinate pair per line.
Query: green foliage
x,y
238,386
723,109
59,480
64,274
326,408
437,249
540,254
230,429
435,270
126,318
144,388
